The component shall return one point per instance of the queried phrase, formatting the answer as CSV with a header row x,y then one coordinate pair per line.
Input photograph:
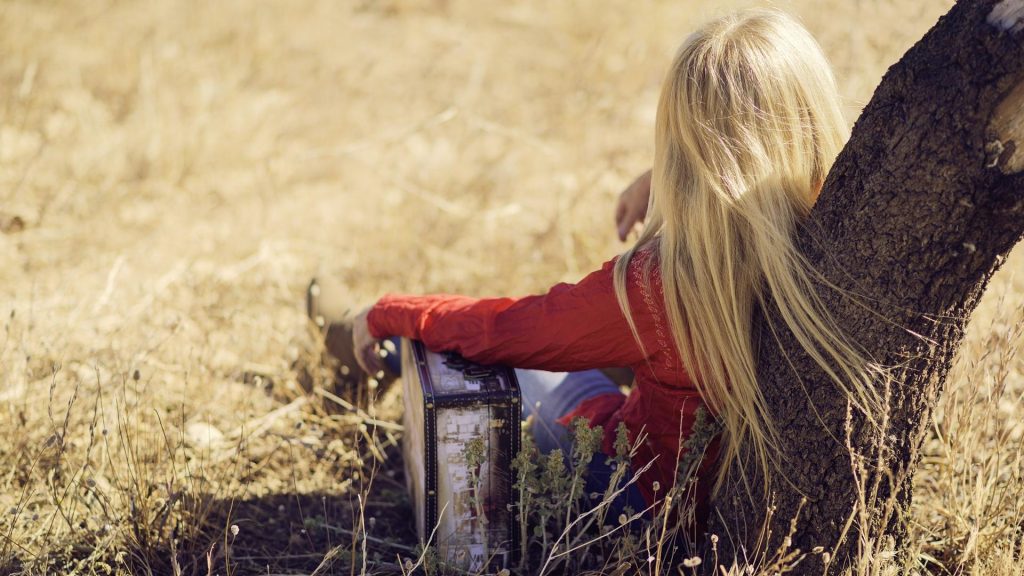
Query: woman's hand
x,y
366,346
632,207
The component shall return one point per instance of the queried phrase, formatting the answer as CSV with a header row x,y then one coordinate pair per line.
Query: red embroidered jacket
x,y
573,327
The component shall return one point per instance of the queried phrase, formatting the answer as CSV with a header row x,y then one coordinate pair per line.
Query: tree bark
x,y
919,210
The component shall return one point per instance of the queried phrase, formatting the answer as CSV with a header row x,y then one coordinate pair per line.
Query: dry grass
x,y
181,169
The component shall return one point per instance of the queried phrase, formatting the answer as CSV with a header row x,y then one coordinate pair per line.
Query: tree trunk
x,y
919,210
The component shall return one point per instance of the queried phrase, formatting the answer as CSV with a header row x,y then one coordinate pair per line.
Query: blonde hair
x,y
748,125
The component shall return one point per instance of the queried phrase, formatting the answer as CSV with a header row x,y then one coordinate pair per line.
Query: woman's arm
x,y
572,327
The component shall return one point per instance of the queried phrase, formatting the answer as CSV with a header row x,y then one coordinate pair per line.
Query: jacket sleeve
x,y
572,327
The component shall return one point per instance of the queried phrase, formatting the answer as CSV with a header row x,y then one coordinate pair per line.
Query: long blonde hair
x,y
748,125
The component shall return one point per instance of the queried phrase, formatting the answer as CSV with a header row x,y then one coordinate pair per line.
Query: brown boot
x,y
334,324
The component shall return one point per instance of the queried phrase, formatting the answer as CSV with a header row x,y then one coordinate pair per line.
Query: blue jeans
x,y
548,396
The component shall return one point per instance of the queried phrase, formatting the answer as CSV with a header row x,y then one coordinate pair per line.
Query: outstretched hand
x,y
366,346
632,207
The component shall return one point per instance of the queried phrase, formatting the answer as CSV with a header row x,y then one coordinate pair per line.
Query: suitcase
x,y
462,426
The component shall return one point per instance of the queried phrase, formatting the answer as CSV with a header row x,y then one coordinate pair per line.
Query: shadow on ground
x,y
297,534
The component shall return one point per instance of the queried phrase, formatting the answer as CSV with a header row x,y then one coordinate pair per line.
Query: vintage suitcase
x,y
468,513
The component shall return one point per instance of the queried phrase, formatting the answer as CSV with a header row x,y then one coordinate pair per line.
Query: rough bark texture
x,y
919,210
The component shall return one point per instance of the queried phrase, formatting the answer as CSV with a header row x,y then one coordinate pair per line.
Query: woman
x,y
748,124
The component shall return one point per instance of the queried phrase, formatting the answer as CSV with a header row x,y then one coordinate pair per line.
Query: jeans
x,y
548,396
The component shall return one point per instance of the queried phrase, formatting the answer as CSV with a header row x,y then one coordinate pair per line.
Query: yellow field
x,y
172,173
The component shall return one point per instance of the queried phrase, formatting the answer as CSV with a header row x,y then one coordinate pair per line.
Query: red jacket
x,y
573,327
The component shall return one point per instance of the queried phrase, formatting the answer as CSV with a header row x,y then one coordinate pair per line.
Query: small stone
x,y
11,223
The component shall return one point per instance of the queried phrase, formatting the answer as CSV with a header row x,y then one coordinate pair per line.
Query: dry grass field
x,y
173,172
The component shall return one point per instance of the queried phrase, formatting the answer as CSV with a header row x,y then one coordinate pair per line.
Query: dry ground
x,y
178,169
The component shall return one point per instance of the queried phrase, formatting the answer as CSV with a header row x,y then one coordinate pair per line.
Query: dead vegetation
x,y
172,172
